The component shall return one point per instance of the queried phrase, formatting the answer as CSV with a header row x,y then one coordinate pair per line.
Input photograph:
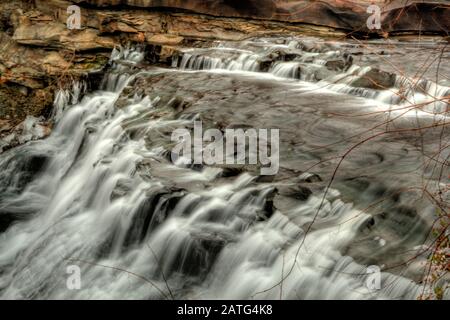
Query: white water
x,y
420,95
90,206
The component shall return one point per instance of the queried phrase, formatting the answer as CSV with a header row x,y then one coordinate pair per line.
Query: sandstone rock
x,y
38,33
54,34
416,15
164,54
165,39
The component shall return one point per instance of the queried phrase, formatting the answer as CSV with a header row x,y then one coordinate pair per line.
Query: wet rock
x,y
383,239
152,211
310,177
162,54
297,192
265,64
21,169
281,55
230,171
340,64
268,208
6,219
375,79
199,253
335,65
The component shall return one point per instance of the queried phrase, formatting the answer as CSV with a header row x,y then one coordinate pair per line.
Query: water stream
x,y
101,192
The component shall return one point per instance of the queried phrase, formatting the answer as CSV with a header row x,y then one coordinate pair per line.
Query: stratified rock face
x,y
397,15
237,8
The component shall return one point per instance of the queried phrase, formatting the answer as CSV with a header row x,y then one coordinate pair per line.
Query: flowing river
x,y
101,193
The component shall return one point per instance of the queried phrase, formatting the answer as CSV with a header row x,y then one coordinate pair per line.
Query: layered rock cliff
x,y
397,15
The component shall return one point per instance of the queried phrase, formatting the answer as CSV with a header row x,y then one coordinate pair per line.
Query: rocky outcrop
x,y
375,79
397,15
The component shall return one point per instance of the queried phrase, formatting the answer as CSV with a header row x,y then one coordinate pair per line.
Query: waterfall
x,y
100,194
330,68
243,62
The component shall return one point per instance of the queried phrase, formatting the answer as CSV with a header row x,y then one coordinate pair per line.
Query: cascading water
x,y
100,193
331,68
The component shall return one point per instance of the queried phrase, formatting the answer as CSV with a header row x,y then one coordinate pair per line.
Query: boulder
x,y
375,79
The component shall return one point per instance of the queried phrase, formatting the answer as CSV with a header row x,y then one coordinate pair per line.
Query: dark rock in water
x,y
197,256
336,65
281,55
383,239
197,167
151,212
265,179
21,169
35,163
268,208
375,79
201,247
296,192
340,64
6,219
265,64
156,54
310,177
230,171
